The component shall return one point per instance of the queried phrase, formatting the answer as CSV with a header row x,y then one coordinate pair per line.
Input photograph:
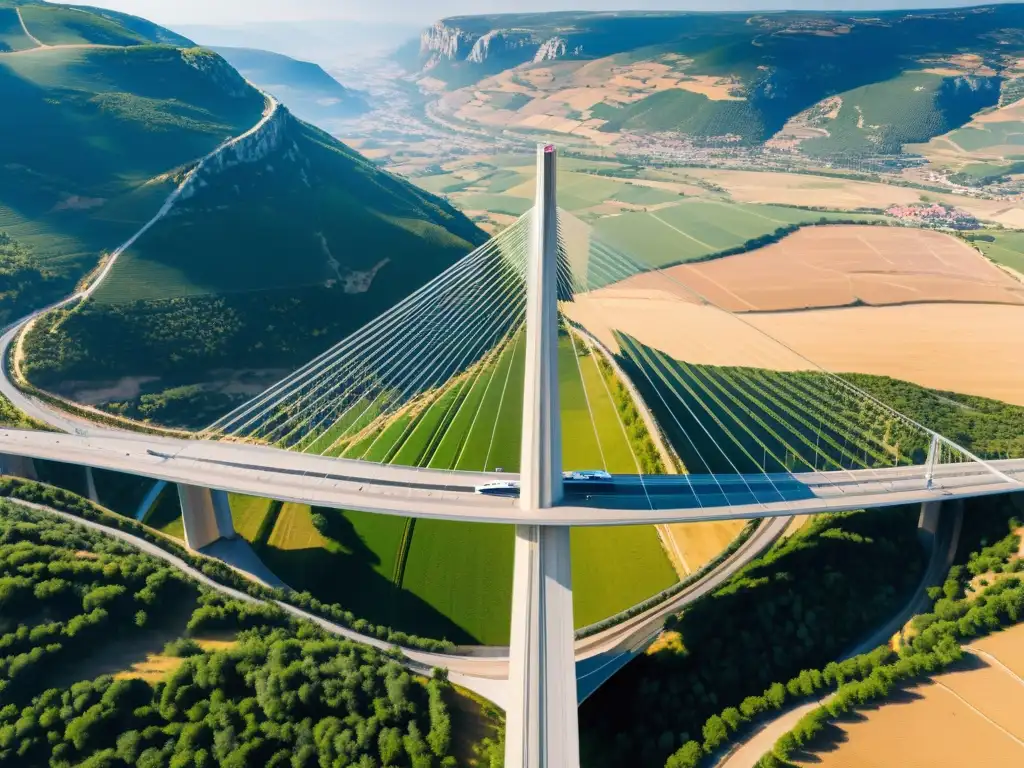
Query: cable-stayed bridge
x,y
415,411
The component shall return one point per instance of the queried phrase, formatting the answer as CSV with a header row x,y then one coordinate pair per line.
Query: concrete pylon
x,y
18,466
206,515
928,522
542,729
90,486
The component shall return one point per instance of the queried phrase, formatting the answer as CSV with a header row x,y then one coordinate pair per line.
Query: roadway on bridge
x,y
444,495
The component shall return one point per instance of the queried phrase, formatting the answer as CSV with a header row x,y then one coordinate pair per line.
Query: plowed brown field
x,y
841,266
943,342
970,717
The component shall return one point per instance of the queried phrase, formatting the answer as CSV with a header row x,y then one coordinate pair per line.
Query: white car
x,y
586,474
501,488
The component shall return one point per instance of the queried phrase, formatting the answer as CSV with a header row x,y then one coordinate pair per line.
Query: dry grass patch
x,y
701,542
156,666
966,348
804,189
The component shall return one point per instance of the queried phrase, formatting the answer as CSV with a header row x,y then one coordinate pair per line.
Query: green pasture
x,y
698,228
248,514
68,26
978,138
456,578
485,201
1005,247
640,195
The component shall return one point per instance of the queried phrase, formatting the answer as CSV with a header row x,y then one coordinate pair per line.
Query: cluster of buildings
x,y
935,215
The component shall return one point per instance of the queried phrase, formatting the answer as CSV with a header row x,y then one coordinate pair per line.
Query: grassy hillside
x,y
265,262
88,160
283,243
305,88
12,35
802,421
63,25
739,76
913,107
144,28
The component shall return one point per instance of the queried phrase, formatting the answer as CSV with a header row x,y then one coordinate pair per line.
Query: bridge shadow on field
x,y
344,572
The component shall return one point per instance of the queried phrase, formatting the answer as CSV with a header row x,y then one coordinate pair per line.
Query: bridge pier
x,y
928,522
206,515
90,486
18,466
542,729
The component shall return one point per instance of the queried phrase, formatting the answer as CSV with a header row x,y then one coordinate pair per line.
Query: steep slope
x,y
305,88
707,75
98,130
276,240
276,249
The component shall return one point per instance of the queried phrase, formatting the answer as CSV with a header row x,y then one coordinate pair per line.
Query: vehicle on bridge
x,y
586,479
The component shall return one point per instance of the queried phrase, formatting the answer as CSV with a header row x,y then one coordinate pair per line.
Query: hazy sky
x,y
423,11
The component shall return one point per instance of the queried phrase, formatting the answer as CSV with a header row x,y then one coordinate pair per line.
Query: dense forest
x,y
801,604
775,632
24,284
281,693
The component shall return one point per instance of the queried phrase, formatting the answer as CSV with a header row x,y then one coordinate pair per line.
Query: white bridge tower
x,y
542,726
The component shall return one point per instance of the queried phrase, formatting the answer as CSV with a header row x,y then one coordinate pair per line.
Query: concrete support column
x,y
542,729
18,466
90,486
928,522
206,515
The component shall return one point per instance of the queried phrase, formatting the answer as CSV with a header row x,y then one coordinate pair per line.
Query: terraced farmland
x,y
455,579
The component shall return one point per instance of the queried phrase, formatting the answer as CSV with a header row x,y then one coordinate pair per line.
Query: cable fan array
x,y
451,324
776,413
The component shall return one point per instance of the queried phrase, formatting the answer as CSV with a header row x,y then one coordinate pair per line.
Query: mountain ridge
x,y
277,238
728,76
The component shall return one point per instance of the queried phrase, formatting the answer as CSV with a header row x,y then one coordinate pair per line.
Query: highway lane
x,y
410,492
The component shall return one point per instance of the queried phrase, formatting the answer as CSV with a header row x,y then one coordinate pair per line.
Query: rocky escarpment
x,y
498,40
446,42
252,147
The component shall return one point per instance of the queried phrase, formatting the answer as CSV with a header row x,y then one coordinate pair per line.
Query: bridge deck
x,y
410,492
